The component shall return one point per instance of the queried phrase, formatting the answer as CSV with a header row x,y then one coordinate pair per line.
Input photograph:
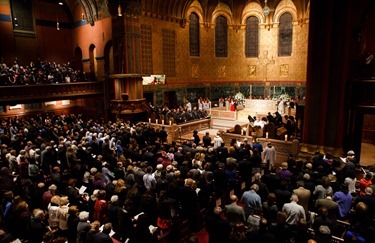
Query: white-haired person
x,y
38,226
83,226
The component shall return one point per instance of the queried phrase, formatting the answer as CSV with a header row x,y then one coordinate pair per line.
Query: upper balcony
x,y
17,94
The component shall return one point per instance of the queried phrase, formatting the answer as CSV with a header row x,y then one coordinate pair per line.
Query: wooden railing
x,y
175,131
46,92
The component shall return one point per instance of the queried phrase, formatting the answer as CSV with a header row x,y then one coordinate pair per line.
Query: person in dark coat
x,y
217,227
38,227
103,237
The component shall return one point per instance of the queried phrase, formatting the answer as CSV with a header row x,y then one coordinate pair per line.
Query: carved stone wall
x,y
236,67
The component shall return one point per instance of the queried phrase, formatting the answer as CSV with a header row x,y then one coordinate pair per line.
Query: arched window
x,y
194,35
252,37
285,35
221,37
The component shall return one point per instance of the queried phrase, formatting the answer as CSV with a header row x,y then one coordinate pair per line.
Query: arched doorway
x,y
108,58
77,62
93,63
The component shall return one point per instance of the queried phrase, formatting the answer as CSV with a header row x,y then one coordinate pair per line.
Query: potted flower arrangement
x,y
240,99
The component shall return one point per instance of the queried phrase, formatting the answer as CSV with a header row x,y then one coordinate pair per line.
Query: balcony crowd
x,y
39,72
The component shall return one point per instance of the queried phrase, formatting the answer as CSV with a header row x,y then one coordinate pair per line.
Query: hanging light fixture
x,y
266,9
119,10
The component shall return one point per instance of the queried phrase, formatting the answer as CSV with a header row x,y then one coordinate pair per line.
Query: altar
x,y
260,107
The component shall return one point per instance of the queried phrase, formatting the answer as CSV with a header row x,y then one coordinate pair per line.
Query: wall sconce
x,y
58,24
83,17
119,11
15,22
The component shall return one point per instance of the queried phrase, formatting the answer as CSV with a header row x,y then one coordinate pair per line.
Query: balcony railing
x,y
47,92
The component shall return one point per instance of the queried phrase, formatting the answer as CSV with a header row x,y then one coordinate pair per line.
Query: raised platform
x,y
222,124
261,107
176,131
223,114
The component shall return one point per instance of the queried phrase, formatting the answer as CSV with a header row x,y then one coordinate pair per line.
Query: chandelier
x,y
266,9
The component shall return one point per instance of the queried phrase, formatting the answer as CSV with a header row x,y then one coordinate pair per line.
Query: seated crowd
x,y
70,178
268,126
179,115
39,72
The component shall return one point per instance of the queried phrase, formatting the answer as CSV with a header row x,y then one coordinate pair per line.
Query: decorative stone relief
x,y
284,70
252,70
194,71
221,71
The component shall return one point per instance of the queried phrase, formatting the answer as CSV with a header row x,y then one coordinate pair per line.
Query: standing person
x,y
280,107
206,140
149,180
294,211
363,183
232,105
251,199
217,227
83,226
303,194
188,106
233,212
38,226
100,207
258,145
196,137
63,214
218,140
344,201
269,156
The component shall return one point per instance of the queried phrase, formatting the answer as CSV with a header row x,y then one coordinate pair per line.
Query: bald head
x,y
233,198
369,191
217,210
294,198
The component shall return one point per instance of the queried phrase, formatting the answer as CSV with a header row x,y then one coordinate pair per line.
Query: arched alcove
x,y
108,58
93,63
77,62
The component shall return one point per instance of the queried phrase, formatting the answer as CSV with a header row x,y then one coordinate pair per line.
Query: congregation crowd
x,y
76,179
181,114
39,72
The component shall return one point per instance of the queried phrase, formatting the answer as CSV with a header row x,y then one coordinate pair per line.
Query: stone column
x,y
128,101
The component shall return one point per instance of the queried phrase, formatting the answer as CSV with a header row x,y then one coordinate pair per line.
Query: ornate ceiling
x,y
176,9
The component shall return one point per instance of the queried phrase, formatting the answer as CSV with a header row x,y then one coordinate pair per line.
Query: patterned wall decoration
x,y
194,71
146,50
221,71
169,52
252,70
284,70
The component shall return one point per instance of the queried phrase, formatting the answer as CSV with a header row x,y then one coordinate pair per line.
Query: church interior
x,y
114,60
